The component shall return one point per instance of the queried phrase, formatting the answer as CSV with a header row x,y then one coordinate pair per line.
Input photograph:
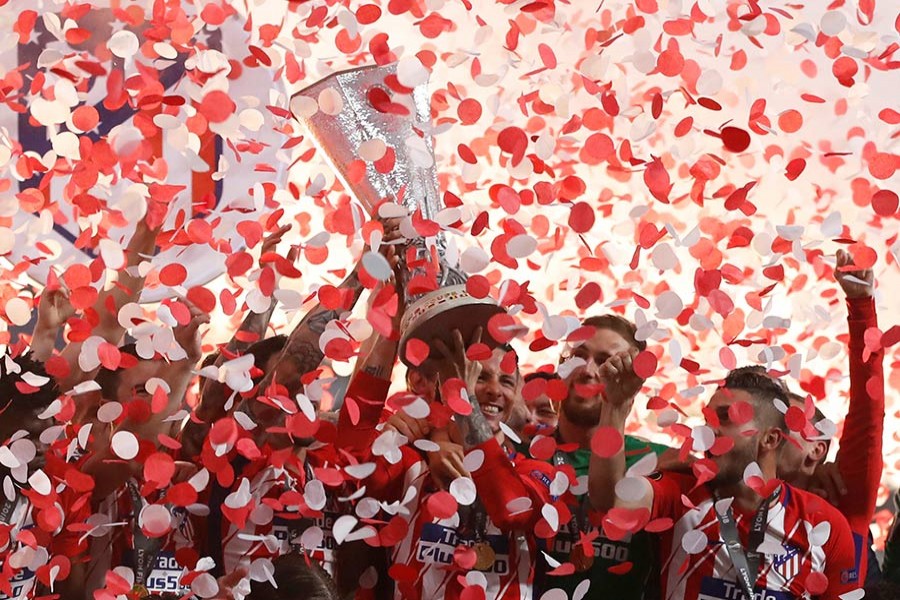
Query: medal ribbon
x,y
144,548
746,563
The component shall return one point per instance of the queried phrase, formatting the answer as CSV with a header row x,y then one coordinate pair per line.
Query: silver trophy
x,y
401,118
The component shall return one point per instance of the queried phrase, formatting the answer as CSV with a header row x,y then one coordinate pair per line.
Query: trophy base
x,y
438,313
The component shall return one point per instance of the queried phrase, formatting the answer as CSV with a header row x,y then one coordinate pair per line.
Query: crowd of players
x,y
478,482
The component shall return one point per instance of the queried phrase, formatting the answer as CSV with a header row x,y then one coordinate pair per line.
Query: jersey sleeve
x,y
637,448
840,562
368,394
387,483
501,487
668,489
859,457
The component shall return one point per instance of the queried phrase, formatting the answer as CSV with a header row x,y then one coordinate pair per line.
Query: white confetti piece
x,y
463,490
125,445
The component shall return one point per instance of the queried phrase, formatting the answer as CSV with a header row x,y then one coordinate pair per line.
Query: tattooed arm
x,y
301,354
474,428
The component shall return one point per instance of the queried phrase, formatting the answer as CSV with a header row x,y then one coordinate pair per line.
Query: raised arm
x,y
252,329
124,290
102,464
302,352
859,457
607,471
371,379
54,309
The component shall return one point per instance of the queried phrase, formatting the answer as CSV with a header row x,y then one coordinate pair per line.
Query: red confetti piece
x,y
588,295
882,165
657,180
795,168
464,557
812,98
610,105
645,364
889,116
173,274
684,127
863,256
513,140
709,104
478,351
596,149
469,111
217,106
735,139
109,356
381,101
202,298
368,14
740,412
441,505
790,121
547,56
416,351
606,442
816,583
581,218
659,525
621,568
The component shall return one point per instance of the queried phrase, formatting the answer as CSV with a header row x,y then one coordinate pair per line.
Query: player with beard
x,y
858,462
744,533
488,541
600,561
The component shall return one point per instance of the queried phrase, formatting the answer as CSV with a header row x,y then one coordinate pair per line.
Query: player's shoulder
x,y
813,508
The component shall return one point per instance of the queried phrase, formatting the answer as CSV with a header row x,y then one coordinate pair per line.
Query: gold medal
x,y
484,556
140,591
579,559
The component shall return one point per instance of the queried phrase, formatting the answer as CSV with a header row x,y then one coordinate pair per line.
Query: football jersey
x,y
807,547
636,549
430,547
29,516
280,521
165,573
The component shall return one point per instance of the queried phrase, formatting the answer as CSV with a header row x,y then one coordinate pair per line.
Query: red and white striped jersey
x,y
29,517
166,573
808,548
430,547
271,528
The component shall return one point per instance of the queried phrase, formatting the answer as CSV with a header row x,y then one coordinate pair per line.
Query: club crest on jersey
x,y
787,565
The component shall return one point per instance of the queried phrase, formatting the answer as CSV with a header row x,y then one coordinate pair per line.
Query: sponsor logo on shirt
x,y
166,575
542,477
281,528
712,588
604,548
21,584
437,544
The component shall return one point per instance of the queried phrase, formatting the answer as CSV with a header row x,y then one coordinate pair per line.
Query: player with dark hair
x,y
541,411
742,532
296,578
617,565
